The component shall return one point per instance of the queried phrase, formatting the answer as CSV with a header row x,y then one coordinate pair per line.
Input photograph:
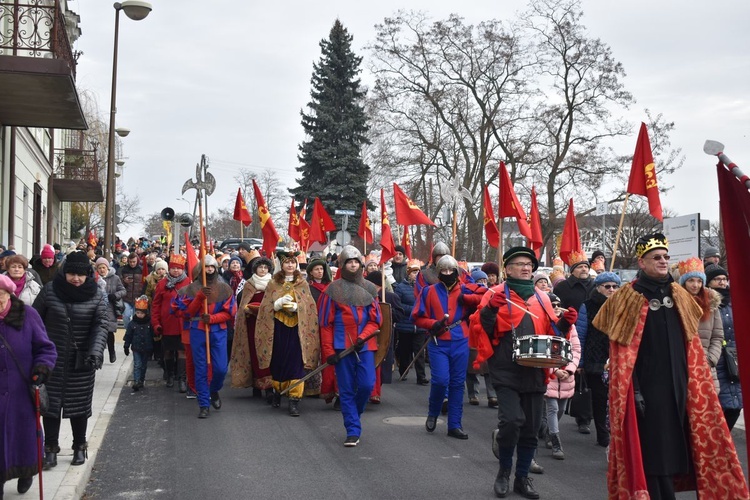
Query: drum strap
x,y
552,320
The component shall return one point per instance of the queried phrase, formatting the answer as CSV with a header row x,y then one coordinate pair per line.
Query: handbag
x,y
733,368
43,394
580,404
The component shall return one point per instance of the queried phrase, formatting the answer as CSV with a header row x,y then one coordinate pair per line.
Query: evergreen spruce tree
x,y
335,128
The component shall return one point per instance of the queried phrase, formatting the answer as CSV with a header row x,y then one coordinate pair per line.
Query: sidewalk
x,y
66,482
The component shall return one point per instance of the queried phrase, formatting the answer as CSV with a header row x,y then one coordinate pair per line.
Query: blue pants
x,y
140,363
218,363
127,315
448,361
356,378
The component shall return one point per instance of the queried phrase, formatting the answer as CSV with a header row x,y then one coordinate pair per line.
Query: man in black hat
x,y
513,310
398,263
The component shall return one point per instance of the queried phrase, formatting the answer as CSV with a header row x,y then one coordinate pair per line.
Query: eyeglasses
x,y
521,264
610,287
657,258
720,280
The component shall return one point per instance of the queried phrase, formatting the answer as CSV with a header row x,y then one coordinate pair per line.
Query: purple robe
x,y
32,348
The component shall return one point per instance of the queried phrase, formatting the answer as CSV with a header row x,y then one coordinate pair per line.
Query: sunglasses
x,y
657,258
610,287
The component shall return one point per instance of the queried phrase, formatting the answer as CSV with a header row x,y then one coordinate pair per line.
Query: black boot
x,y
80,454
169,364
216,400
523,486
269,396
502,483
181,375
294,407
50,457
111,346
24,484
276,401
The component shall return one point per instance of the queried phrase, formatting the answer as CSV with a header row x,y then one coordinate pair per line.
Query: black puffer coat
x,y
70,390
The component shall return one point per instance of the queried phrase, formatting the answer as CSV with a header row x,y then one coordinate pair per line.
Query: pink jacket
x,y
564,389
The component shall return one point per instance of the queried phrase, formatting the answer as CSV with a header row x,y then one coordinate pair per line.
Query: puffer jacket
x,y
113,287
132,280
564,389
730,395
140,335
82,325
711,332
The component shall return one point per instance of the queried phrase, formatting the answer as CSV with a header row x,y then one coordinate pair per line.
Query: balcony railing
x,y
77,160
35,28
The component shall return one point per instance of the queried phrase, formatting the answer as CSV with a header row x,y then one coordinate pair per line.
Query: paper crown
x,y
414,264
372,257
142,303
691,268
463,265
576,257
177,260
597,266
650,242
557,262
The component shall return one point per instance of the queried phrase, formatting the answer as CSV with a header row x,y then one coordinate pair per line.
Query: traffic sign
x,y
343,212
343,238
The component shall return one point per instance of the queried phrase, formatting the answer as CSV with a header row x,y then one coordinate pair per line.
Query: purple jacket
x,y
33,349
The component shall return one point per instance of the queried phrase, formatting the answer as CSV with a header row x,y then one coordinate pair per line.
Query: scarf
x,y
235,278
172,282
260,282
20,283
70,293
726,299
524,288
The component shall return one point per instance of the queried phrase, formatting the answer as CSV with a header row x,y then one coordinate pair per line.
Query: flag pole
x,y
500,244
453,245
203,278
619,231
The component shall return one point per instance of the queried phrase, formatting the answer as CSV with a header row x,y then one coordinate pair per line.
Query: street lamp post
x,y
135,10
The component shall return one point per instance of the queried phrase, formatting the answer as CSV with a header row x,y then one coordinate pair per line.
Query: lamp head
x,y
134,9
122,132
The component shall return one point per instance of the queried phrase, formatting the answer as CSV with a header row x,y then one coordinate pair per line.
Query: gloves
x,y
569,317
206,318
498,300
94,362
333,359
112,298
39,377
206,291
279,303
438,328
127,350
294,307
359,344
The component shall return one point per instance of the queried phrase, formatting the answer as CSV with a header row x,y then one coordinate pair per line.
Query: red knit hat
x,y
48,252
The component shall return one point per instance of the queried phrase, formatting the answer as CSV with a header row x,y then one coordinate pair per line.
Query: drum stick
x,y
523,309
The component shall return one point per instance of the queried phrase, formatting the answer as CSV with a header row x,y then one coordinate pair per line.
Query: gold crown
x,y
142,303
414,264
576,257
177,260
692,265
653,242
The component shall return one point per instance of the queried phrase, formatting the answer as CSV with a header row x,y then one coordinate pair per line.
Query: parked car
x,y
233,243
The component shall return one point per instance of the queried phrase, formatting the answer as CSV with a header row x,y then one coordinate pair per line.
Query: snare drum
x,y
542,351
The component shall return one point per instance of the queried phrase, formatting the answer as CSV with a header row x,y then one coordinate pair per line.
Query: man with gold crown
x,y
668,431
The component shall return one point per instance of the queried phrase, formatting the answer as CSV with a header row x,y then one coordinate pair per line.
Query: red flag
x,y
535,221
320,223
386,236
294,232
270,236
571,237
406,242
643,174
92,238
240,210
407,212
192,259
365,225
490,226
735,221
509,205
326,222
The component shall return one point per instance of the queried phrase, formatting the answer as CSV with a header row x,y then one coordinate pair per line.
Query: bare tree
x,y
274,194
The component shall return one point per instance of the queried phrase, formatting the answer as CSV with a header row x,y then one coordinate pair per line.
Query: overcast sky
x,y
228,79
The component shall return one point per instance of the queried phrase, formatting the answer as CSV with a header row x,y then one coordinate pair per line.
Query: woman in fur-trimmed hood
x,y
287,336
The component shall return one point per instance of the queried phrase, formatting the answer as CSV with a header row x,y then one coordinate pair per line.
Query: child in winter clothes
x,y
560,389
140,335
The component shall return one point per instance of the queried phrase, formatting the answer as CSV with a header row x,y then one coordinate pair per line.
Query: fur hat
x,y
607,277
48,252
261,261
691,268
491,268
713,271
77,263
650,242
141,303
514,252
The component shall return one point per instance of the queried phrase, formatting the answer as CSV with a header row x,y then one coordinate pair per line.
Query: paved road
x,y
156,448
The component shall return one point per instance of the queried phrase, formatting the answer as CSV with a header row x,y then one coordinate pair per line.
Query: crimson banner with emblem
x,y
365,226
240,210
490,226
643,174
270,235
407,212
